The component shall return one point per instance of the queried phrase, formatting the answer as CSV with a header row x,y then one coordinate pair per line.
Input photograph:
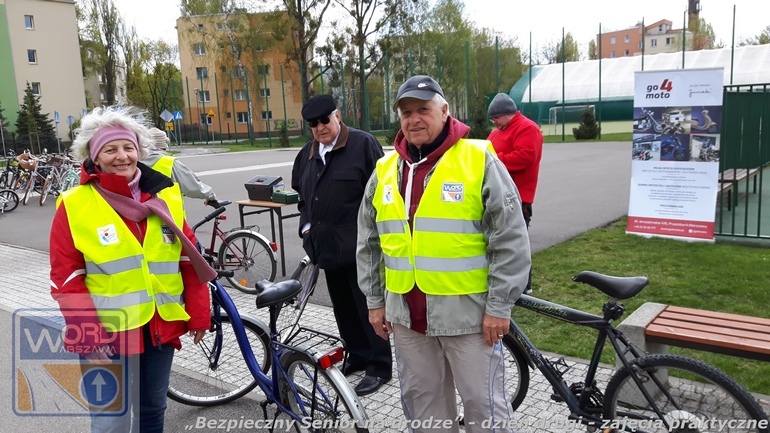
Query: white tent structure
x,y
750,65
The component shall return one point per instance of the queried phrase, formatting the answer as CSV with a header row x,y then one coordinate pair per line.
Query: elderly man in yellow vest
x,y
189,183
443,255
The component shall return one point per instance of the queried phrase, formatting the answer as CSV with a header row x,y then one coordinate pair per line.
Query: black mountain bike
x,y
649,393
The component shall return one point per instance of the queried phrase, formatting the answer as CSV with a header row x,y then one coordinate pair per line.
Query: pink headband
x,y
107,134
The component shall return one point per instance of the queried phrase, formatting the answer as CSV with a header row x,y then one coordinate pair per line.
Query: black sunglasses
x,y
324,120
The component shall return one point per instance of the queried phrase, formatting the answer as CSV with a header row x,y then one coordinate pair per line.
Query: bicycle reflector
x,y
331,358
274,246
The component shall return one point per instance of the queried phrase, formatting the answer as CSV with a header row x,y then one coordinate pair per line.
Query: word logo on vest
x,y
51,375
452,192
107,234
168,235
387,194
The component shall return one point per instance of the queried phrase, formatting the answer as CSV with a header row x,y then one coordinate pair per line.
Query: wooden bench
x,y
729,180
730,334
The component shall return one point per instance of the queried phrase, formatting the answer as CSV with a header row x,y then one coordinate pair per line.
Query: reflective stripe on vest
x,y
164,164
444,253
123,275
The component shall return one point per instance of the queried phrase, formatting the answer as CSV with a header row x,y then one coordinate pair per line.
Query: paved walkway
x,y
24,283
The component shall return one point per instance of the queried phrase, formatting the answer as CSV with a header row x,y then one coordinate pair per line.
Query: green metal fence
x,y
744,157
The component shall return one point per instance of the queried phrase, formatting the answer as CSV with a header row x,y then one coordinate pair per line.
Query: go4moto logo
x,y
659,92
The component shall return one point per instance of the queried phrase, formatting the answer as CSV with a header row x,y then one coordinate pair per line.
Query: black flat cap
x,y
318,106
418,87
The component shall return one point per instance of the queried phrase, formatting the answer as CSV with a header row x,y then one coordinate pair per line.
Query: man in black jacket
x,y
330,174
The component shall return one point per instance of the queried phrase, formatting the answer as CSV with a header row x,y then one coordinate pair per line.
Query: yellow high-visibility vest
x,y
164,164
444,253
125,278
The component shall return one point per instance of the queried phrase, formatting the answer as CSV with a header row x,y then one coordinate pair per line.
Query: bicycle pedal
x,y
557,398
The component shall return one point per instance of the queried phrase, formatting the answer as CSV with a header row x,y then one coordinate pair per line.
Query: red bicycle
x,y
247,253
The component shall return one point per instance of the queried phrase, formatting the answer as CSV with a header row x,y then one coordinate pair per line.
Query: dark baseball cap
x,y
418,87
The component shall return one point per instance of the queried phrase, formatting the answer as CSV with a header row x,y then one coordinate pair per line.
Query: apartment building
x,y
39,45
659,37
226,75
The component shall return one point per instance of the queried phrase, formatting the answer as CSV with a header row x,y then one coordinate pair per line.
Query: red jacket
x,y
520,147
68,277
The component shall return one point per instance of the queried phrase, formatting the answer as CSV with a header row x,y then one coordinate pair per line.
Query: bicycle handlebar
x,y
209,217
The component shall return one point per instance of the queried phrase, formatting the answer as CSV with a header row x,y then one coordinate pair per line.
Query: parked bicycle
x,y
246,252
9,200
61,176
649,393
37,176
239,350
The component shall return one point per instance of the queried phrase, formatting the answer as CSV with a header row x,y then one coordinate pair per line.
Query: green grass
x,y
719,277
569,138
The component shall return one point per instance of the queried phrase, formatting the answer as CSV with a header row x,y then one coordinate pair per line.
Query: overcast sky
x,y
516,18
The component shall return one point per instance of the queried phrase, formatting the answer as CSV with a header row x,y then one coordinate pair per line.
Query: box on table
x,y
287,197
261,187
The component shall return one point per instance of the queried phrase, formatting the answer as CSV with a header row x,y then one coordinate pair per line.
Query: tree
x,y
588,128
32,126
703,35
155,83
593,52
100,38
761,39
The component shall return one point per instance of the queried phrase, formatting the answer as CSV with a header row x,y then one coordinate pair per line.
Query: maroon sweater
x,y
453,131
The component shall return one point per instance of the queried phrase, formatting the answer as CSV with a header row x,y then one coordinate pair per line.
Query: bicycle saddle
x,y
617,287
269,293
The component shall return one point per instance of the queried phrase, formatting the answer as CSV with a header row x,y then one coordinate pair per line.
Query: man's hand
x,y
494,329
197,336
99,356
381,326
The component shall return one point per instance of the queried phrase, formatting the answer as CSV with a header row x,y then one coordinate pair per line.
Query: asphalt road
x,y
582,186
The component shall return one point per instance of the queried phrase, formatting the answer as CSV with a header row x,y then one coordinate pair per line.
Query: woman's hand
x,y
197,336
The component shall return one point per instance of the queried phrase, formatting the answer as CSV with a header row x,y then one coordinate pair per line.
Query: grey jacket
x,y
188,182
507,251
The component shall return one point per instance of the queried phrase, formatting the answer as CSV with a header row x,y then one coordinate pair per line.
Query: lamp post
x,y
2,137
198,109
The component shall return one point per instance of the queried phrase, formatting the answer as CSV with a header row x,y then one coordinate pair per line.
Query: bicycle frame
x,y
221,300
612,311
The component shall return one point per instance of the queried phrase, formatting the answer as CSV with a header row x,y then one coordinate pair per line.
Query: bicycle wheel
x,y
323,397
70,180
47,187
197,380
249,257
5,179
9,200
516,371
28,190
691,395
292,310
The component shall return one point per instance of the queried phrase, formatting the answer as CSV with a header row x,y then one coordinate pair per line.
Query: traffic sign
x,y
177,115
211,113
70,120
85,111
56,117
169,126
118,106
166,115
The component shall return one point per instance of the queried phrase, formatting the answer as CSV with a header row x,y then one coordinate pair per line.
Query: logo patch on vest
x,y
168,235
452,192
107,234
387,194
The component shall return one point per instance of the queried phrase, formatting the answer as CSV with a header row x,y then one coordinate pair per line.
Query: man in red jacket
x,y
518,142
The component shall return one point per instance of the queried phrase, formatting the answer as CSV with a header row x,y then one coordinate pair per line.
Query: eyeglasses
x,y
324,120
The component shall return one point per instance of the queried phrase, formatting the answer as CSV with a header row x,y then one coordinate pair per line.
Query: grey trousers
x,y
429,368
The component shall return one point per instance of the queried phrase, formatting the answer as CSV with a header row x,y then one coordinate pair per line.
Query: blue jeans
x,y
148,377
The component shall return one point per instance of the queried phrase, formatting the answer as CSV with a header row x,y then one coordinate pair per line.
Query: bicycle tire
x,y
21,181
12,200
70,181
516,371
193,380
693,393
5,179
334,403
28,190
249,257
47,187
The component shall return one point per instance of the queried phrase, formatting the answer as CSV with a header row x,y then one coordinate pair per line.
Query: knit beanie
x,y
502,104
107,134
159,138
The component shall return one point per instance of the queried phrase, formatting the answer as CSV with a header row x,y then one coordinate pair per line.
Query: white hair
x,y
131,118
438,99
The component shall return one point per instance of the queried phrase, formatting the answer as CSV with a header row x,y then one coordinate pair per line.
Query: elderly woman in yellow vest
x,y
125,271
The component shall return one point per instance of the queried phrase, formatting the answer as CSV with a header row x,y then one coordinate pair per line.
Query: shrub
x,y
588,128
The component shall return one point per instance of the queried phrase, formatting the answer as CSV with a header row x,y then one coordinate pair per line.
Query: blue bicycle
x,y
240,350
